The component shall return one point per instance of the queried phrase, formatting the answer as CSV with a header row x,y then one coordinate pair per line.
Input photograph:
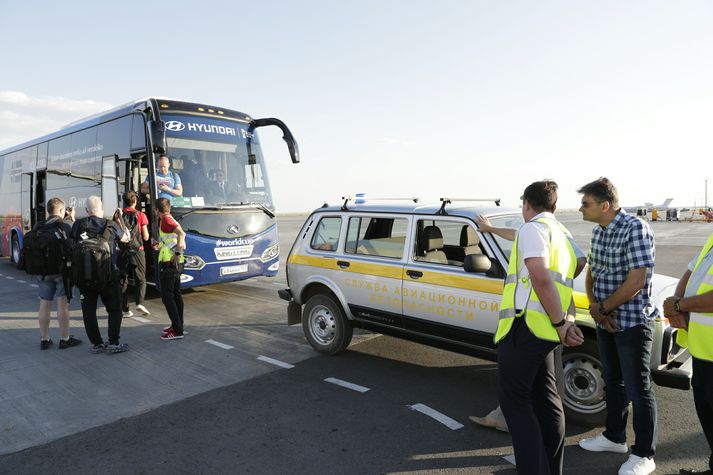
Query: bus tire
x,y
15,249
584,398
325,326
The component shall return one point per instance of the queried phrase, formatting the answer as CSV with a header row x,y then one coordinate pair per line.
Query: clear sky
x,y
460,98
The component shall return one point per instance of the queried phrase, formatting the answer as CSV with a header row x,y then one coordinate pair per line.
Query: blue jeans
x,y
625,357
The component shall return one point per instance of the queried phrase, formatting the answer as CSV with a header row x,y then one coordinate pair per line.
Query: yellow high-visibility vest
x,y
563,262
699,337
167,243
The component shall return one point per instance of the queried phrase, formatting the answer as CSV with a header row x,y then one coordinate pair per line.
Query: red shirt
x,y
141,220
168,224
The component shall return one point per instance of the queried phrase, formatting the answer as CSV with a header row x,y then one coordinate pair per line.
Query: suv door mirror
x,y
476,263
157,135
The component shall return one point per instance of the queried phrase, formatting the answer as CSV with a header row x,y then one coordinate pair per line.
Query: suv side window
x,y
326,234
445,242
384,237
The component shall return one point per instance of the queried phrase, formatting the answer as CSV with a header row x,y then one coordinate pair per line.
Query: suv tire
x,y
584,399
325,326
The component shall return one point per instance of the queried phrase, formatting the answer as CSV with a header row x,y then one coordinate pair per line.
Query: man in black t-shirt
x,y
95,225
51,287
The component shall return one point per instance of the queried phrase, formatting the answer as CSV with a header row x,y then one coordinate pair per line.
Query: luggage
x,y
42,249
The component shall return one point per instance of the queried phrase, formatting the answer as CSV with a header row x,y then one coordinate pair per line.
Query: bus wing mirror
x,y
286,135
157,135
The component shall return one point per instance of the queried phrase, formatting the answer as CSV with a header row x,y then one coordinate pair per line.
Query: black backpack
x,y
132,223
91,259
42,249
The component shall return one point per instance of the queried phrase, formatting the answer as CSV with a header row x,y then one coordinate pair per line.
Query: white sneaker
x,y
143,309
637,466
128,314
602,444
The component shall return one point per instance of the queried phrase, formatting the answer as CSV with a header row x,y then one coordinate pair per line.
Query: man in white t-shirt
x,y
495,418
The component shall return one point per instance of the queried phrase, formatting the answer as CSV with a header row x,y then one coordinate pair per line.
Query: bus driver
x,y
168,183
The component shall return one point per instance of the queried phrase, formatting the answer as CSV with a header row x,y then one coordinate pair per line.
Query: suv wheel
x,y
584,399
325,326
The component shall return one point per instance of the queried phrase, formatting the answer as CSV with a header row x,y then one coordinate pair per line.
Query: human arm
x,y
605,320
145,186
544,287
678,319
505,233
181,244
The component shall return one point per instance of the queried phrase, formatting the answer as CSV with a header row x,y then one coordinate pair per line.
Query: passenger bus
x,y
229,237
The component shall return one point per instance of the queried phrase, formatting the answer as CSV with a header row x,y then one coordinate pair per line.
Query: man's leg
x,y
44,317
111,297
168,282
617,402
549,411
88,297
634,348
520,357
703,396
178,298
63,316
140,278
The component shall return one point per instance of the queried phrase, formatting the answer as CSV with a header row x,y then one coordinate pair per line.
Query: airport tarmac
x,y
240,382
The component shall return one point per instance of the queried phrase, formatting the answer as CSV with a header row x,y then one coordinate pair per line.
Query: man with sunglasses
x,y
618,285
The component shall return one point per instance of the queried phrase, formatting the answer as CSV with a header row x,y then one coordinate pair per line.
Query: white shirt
x,y
533,240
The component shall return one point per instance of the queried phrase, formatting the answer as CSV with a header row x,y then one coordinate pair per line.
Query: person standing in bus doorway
x,y
168,182
536,315
618,285
133,255
52,287
170,247
86,229
495,418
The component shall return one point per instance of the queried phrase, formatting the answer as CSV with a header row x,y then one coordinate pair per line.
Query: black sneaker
x,y
100,348
69,342
45,344
117,348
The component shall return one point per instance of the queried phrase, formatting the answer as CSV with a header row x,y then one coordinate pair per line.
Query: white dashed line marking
x,y
279,363
141,319
34,285
8,277
440,417
510,458
219,344
22,281
348,385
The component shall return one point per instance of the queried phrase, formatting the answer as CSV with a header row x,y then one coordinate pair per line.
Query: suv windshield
x,y
506,221
211,158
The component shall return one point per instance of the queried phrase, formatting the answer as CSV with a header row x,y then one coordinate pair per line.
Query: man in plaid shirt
x,y
621,262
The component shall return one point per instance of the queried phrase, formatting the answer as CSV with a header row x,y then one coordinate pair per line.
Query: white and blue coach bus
x,y
231,234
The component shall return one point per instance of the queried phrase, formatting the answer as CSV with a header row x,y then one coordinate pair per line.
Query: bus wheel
x,y
15,249
325,326
584,400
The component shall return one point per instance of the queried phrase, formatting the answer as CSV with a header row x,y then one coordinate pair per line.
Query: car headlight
x,y
270,253
193,262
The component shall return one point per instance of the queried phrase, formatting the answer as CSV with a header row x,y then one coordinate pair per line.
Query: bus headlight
x,y
270,253
193,262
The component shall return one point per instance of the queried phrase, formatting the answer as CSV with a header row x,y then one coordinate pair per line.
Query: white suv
x,y
426,273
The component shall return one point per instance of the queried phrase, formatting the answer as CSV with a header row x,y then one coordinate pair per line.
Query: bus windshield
x,y
210,156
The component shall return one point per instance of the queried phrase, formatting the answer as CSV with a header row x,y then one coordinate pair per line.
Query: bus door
x,y
27,209
110,185
40,197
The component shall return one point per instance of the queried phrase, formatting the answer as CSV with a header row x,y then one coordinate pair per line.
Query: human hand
x,y
569,334
484,224
117,215
609,323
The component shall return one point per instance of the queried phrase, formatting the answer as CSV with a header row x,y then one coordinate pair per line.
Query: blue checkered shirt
x,y
627,243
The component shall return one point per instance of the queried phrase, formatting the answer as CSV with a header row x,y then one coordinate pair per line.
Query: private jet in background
x,y
649,207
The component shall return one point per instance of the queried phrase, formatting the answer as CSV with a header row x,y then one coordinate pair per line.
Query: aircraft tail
x,y
666,203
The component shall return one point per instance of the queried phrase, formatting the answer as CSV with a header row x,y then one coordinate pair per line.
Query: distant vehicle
x,y
426,273
648,207
231,237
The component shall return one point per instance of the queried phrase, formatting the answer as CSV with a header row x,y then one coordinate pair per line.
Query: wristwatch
x,y
677,305
560,323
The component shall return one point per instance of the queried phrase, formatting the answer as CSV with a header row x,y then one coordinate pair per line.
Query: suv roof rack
x,y
445,201
362,199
